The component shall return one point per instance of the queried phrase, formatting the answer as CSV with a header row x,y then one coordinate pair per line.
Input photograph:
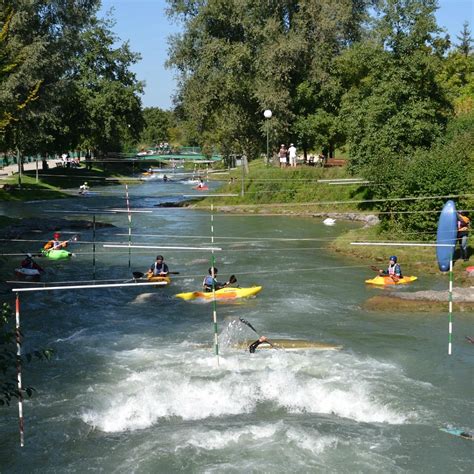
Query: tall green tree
x,y
109,92
240,57
157,125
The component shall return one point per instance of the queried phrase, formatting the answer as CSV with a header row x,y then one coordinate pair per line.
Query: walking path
x,y
13,169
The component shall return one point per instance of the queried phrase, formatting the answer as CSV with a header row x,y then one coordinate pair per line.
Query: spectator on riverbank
x,y
292,155
282,155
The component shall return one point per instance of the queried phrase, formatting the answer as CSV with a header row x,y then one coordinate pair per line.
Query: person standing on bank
x,y
292,154
282,155
463,232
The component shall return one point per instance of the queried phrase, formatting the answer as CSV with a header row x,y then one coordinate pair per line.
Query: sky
x,y
145,25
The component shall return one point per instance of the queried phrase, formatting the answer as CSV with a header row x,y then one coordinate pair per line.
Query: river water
x,y
134,385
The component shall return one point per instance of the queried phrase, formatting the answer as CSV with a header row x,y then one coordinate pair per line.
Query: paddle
x,y
232,280
470,339
137,275
242,320
74,238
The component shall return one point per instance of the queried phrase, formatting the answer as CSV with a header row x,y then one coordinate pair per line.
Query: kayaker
x,y
159,267
463,233
83,188
55,243
259,341
210,281
30,264
201,183
393,269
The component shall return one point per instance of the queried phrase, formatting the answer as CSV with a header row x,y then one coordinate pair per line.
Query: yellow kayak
x,y
383,280
166,279
291,345
222,294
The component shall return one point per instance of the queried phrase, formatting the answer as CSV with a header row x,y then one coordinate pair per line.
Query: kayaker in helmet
x,y
393,269
159,267
201,183
210,281
463,233
29,263
55,243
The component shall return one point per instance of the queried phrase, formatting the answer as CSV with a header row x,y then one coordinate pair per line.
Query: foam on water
x,y
187,385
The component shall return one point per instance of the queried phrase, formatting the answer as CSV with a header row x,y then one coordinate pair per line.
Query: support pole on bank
x,y
18,369
450,304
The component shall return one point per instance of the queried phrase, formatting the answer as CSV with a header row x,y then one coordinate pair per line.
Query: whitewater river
x,y
134,385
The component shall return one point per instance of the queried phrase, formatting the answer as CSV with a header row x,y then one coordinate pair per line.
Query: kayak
x,y
387,280
458,432
167,280
27,274
222,294
60,254
202,188
291,345
446,235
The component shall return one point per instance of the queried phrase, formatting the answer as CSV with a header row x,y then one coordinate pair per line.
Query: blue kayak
x,y
446,235
458,432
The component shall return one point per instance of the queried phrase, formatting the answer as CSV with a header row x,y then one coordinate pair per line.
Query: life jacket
x,y
157,270
54,244
395,270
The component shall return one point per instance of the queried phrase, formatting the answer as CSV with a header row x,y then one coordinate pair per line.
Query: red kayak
x,y
202,188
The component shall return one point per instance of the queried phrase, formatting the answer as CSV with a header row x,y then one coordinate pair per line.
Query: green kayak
x,y
56,254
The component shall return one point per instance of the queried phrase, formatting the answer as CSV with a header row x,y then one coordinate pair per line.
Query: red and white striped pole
x,y
18,369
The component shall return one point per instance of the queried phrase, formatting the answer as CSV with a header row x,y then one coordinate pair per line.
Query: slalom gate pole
x,y
129,228
18,370
93,247
214,302
450,303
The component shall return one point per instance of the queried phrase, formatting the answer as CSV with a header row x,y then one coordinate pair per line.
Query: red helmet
x,y
56,235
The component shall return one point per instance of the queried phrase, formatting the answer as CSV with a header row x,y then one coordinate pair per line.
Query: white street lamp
x,y
268,115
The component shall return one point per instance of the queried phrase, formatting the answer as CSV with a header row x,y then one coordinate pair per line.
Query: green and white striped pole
x,y
214,302
450,303
129,227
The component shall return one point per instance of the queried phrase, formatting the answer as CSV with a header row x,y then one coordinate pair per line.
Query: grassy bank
x,y
268,187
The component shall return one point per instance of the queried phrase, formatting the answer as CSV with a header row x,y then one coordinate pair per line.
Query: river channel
x,y
135,386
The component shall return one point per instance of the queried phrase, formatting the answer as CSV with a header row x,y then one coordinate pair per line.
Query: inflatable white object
x,y
329,221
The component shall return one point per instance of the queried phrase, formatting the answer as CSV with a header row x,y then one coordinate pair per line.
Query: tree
x,y
108,90
236,59
157,125
465,40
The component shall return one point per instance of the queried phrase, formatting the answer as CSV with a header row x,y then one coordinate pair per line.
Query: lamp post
x,y
268,115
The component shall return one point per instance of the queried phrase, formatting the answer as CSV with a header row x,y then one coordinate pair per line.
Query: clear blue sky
x,y
145,25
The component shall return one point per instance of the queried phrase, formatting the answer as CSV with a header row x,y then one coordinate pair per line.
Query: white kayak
x,y
27,273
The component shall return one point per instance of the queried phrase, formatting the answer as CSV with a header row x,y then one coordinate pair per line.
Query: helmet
x,y
210,270
394,258
85,182
56,235
159,257
29,255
